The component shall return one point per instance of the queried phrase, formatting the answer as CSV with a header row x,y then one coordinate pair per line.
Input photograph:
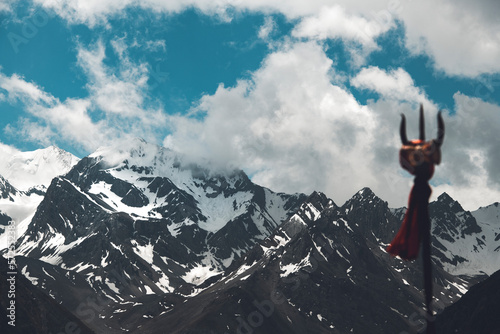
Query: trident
x,y
419,157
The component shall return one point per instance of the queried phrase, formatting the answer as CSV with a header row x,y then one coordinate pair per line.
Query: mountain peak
x,y
135,152
313,206
366,192
321,199
160,161
445,199
27,169
126,148
363,195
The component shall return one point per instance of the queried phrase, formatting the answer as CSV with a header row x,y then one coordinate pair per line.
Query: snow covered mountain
x,y
317,273
137,238
24,177
35,168
136,220
465,243
16,206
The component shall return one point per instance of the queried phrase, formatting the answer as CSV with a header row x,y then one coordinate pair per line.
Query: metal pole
x,y
425,230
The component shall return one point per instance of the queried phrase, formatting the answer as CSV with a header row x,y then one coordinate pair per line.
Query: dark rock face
x,y
4,220
317,273
6,189
373,214
452,226
476,312
38,190
35,312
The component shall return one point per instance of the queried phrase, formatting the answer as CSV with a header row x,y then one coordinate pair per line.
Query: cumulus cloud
x,y
334,22
396,84
69,119
462,37
288,125
293,129
470,153
469,169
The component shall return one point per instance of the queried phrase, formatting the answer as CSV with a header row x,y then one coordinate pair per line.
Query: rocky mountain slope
x,y
137,238
138,220
476,312
34,311
325,270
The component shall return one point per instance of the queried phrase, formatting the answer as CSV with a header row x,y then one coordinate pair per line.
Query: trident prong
x,y
440,134
422,123
402,130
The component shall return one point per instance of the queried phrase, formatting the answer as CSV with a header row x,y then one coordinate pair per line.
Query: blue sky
x,y
302,97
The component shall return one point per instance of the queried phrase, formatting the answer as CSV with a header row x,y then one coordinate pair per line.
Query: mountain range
x,y
137,238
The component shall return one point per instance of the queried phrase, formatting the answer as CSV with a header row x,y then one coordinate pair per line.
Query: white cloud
x,y
117,105
71,119
293,130
8,150
289,126
18,88
6,5
97,12
334,22
469,170
462,37
357,32
120,93
396,84
31,131
68,119
472,144
267,28
119,46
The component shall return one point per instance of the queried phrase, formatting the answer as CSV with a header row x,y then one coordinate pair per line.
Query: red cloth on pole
x,y
406,243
